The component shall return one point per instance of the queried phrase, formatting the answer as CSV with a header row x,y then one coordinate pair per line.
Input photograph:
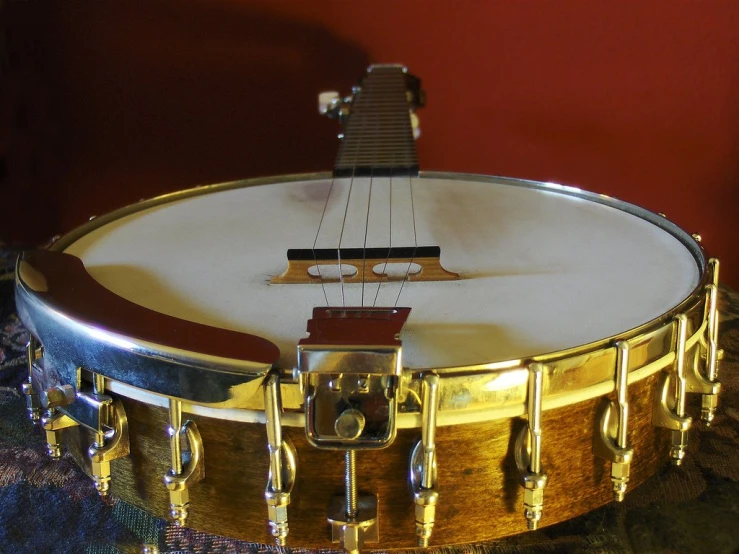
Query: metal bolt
x,y
679,446
350,424
54,450
277,503
350,481
178,514
101,476
620,478
61,395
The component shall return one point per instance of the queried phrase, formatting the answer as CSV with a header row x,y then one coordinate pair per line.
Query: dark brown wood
x,y
62,281
355,326
480,495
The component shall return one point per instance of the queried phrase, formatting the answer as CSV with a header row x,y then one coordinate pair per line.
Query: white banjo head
x,y
544,268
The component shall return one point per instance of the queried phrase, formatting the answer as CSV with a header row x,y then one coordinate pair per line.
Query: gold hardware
x,y
184,472
696,381
423,470
352,533
95,411
697,237
713,354
669,406
33,404
528,450
664,403
350,482
611,441
98,389
53,422
282,462
680,437
350,424
107,420
57,396
353,519
116,445
149,549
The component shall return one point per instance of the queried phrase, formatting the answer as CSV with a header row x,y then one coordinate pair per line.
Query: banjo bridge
x,y
369,265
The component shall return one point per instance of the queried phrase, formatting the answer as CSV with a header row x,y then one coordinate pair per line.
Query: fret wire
x,y
381,99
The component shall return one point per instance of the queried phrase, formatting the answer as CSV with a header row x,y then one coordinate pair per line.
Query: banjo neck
x,y
378,138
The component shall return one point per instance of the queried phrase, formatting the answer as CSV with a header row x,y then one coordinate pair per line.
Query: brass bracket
x,y
53,422
696,382
611,439
185,471
712,352
663,412
94,411
669,403
282,462
423,469
528,450
352,532
33,403
116,446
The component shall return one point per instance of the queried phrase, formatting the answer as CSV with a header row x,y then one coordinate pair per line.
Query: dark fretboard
x,y
378,137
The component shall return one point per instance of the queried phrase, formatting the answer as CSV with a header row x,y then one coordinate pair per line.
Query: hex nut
x,y
620,471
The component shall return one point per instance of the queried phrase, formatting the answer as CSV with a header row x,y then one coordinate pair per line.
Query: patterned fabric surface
x,y
48,506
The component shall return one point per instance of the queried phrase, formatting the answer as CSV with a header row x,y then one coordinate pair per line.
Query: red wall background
x,y
104,103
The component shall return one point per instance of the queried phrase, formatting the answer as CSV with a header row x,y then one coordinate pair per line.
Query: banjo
x,y
376,355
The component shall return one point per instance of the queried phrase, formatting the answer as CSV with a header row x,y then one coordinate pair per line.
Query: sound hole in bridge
x,y
370,265
390,271
330,272
395,271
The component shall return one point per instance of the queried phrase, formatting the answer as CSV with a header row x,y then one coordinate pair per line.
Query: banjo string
x,y
366,229
415,242
315,242
341,236
362,124
390,230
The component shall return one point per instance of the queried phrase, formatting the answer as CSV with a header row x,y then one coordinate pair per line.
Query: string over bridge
x,y
368,265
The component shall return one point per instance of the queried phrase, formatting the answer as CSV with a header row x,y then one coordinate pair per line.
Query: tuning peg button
x,y
415,124
326,100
